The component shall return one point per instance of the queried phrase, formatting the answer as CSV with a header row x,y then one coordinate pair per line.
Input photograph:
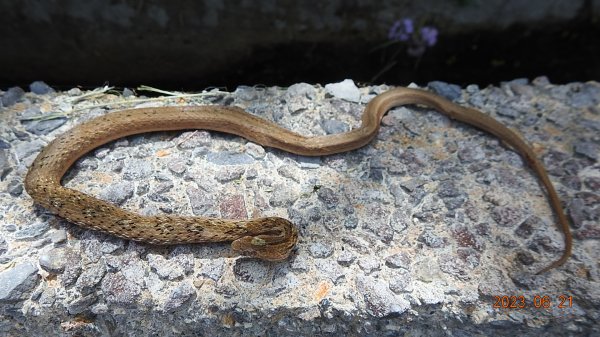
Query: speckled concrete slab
x,y
428,230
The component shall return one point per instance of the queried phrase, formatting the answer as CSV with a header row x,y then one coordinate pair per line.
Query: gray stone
x,y
17,282
345,90
40,88
193,139
379,300
3,246
401,282
118,289
306,162
432,240
32,231
229,158
212,269
328,197
90,277
202,203
45,126
171,269
229,174
282,197
251,270
450,91
331,269
469,154
368,265
507,216
53,261
588,149
254,150
82,304
398,260
179,296
117,193
26,149
58,236
320,249
12,96
346,258
301,90
128,92
137,169
332,126
177,166
15,188
5,166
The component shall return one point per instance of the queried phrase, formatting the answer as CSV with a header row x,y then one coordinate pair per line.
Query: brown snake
x,y
269,238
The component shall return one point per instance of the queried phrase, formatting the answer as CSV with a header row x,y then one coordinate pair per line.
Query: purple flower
x,y
429,35
401,30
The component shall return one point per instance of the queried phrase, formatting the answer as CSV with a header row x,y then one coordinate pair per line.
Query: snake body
x,y
269,238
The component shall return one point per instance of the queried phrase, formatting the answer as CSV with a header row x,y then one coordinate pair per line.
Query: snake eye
x,y
258,241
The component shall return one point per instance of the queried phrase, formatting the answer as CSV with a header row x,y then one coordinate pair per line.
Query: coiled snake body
x,y
269,238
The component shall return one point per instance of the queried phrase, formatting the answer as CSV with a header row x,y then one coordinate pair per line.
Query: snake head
x,y
270,239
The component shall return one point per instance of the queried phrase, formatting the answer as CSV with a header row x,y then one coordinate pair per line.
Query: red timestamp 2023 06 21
x,y
535,302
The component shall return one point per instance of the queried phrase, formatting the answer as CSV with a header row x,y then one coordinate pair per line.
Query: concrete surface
x,y
420,233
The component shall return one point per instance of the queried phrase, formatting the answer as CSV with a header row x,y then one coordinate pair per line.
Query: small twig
x,y
160,91
92,93
43,117
144,100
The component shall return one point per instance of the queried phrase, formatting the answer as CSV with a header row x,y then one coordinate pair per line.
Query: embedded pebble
x,y
117,193
177,166
230,174
3,246
588,149
346,258
137,169
171,269
328,197
450,91
40,88
254,150
400,282
117,289
90,277
399,260
12,96
432,240
212,269
53,261
15,188
507,216
379,299
331,270
178,297
369,265
81,304
320,249
5,166
334,127
345,90
229,158
17,282
233,207
32,231
251,271
282,197
44,127
301,90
